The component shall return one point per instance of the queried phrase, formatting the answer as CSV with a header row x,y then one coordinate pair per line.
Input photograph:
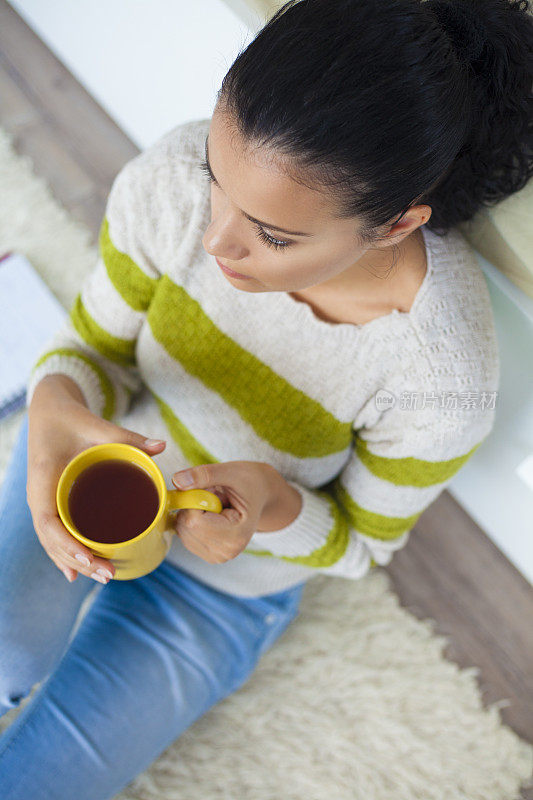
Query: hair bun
x,y
462,23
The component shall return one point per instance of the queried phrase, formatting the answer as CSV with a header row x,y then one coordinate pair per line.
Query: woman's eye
x,y
271,242
203,166
268,240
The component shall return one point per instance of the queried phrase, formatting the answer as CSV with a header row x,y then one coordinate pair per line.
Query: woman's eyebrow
x,y
248,216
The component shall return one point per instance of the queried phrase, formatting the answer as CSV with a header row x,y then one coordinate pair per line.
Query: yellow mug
x,y
145,552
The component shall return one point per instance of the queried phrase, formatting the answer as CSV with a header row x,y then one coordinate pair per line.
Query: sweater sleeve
x,y
396,469
96,346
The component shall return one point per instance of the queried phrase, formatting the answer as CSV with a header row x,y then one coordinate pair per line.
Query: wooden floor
x,y
450,571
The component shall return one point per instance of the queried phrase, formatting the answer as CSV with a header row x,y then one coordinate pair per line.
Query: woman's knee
x,y
20,671
36,626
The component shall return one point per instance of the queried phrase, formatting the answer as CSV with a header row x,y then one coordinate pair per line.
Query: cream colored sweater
x,y
369,422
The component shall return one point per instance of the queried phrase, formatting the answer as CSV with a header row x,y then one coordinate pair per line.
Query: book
x,y
29,316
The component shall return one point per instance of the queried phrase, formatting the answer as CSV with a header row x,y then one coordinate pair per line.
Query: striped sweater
x,y
368,422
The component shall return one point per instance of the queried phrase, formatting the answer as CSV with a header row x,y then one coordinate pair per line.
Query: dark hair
x,y
393,103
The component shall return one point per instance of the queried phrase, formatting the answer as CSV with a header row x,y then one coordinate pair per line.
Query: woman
x,y
257,326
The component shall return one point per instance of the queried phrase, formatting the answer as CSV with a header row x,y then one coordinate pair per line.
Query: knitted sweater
x,y
368,422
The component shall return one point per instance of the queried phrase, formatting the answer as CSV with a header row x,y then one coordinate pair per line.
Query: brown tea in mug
x,y
112,501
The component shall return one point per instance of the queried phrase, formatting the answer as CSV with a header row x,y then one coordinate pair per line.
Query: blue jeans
x,y
150,656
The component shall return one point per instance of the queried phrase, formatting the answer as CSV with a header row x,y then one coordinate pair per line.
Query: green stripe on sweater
x,y
106,385
368,522
331,551
134,286
122,351
191,448
285,417
410,471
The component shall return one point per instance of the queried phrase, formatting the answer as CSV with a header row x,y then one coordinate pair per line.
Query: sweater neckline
x,y
304,313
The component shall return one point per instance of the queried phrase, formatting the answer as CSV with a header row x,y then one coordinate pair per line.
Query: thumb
x,y
215,478
202,476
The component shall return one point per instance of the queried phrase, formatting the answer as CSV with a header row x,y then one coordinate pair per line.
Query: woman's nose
x,y
221,241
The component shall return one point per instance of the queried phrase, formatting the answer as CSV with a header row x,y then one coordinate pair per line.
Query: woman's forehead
x,y
260,185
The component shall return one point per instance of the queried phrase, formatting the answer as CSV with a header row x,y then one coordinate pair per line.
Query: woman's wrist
x,y
59,385
283,506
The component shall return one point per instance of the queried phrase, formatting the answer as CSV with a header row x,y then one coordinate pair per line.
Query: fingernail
x,y
153,442
184,478
99,578
83,559
104,572
67,576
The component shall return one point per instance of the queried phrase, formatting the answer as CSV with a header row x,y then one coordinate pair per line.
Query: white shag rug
x,y
354,701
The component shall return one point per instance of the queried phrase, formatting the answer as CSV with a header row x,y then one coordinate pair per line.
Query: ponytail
x,y
494,41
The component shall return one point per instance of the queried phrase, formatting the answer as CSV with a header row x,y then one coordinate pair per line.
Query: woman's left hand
x,y
245,489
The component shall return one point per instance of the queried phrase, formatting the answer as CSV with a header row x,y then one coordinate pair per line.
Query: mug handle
x,y
193,498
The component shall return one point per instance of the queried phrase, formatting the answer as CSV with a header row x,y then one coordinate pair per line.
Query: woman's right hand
x,y
59,427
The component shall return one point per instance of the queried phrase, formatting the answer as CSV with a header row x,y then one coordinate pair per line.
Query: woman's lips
x,y
229,271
